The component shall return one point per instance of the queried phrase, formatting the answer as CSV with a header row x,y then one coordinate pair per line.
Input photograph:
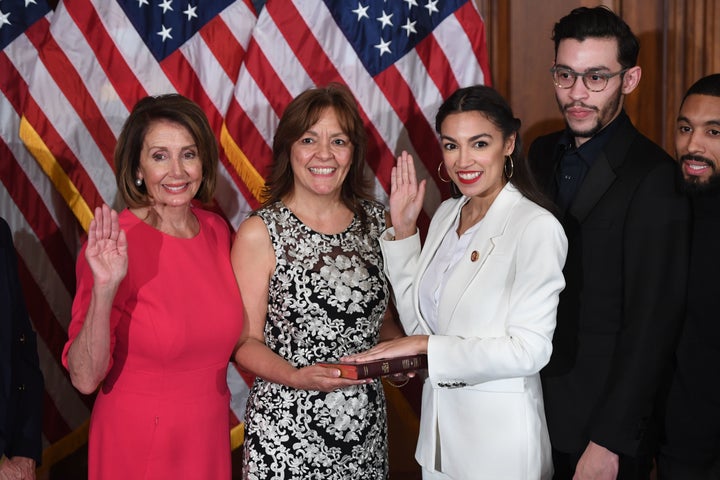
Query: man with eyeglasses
x,y
627,230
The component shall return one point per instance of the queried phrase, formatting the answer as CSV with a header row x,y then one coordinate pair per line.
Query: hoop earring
x,y
440,174
509,175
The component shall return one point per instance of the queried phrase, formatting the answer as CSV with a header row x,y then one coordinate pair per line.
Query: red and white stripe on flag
x,y
400,59
45,232
74,77
96,62
90,63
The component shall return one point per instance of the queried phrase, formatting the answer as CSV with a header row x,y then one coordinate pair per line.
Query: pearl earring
x,y
138,182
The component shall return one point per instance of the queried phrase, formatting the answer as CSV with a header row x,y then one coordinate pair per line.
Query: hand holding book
x,y
381,367
400,355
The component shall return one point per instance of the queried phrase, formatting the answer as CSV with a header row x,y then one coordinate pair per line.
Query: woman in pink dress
x,y
157,311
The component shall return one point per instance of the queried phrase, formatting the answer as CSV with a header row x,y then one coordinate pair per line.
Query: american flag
x,y
45,232
400,58
76,73
100,57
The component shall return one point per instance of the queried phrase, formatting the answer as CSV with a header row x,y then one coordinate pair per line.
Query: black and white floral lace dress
x,y
327,299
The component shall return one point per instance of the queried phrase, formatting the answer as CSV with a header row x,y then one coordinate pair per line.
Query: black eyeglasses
x,y
594,81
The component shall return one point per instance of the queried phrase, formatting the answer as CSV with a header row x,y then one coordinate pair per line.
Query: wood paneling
x,y
693,50
647,105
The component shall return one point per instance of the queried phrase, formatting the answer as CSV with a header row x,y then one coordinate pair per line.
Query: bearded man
x,y
691,445
627,227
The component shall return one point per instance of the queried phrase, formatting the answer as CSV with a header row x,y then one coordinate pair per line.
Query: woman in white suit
x,y
479,298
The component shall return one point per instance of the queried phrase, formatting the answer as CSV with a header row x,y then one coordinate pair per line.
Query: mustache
x,y
581,105
696,158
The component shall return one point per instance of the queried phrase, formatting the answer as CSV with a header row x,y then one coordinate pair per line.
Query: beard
x,y
605,115
698,186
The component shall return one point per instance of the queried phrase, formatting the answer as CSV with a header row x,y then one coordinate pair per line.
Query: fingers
x,y
109,223
421,193
403,166
106,250
330,371
403,178
104,221
327,379
379,351
122,242
410,168
97,226
114,224
405,170
105,225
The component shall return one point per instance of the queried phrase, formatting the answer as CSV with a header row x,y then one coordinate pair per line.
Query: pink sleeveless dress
x,y
163,410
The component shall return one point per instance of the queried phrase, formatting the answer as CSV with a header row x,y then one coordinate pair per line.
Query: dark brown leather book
x,y
379,368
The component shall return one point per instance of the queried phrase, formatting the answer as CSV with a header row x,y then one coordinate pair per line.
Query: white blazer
x,y
482,409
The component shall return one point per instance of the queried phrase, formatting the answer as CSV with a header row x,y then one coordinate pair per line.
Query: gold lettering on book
x,y
385,367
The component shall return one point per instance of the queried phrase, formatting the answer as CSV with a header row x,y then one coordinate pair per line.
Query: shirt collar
x,y
590,150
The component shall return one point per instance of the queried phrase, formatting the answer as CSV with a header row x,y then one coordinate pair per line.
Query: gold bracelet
x,y
398,385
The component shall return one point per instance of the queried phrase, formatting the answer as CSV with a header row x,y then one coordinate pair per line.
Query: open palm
x,y
406,196
106,251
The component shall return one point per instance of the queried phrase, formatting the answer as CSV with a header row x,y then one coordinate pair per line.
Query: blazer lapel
x,y
435,235
598,180
602,172
439,227
481,245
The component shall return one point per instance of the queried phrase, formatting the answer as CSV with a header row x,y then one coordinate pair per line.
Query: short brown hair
x,y
301,114
174,108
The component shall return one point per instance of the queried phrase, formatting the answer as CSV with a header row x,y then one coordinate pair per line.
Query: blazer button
x,y
22,338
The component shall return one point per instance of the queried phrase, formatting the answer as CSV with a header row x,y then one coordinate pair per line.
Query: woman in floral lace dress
x,y
309,268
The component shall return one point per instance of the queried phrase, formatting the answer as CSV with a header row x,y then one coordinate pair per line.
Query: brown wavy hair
x,y
301,114
174,108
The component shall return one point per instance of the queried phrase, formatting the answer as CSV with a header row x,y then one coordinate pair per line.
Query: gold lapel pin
x,y
474,256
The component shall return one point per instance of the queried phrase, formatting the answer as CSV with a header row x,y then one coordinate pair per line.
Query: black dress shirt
x,y
576,162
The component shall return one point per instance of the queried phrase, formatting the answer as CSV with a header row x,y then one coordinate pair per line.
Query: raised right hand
x,y
406,196
106,251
